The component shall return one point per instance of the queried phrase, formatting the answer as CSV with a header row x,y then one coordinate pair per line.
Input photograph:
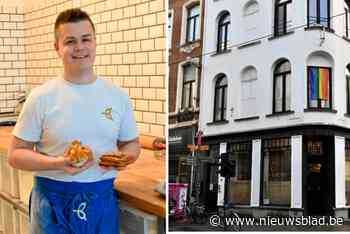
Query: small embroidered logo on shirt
x,y
108,113
80,211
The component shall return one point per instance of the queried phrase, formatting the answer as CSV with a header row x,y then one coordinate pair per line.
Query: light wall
x,y
12,57
13,3
263,55
130,51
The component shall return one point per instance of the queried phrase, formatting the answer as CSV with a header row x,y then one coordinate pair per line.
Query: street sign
x,y
198,148
203,147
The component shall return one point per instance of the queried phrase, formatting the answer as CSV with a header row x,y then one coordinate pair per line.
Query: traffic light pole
x,y
192,176
195,148
192,167
221,179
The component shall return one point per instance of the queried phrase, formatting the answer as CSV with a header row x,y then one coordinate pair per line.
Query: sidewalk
x,y
179,226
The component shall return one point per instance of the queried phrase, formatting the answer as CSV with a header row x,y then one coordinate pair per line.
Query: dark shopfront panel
x,y
179,155
318,164
318,179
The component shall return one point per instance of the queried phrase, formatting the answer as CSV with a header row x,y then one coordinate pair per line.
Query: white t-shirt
x,y
98,114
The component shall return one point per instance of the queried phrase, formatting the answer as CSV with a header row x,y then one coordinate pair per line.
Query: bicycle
x,y
196,211
229,219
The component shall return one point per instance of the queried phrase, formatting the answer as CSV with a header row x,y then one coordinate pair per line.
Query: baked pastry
x,y
78,154
115,160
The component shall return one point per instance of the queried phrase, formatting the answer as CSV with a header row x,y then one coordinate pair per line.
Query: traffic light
x,y
224,158
228,168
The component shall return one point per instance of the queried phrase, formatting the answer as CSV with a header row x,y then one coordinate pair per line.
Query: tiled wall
x,y
130,51
12,57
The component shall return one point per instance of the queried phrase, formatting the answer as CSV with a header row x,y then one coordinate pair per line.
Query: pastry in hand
x,y
78,154
115,160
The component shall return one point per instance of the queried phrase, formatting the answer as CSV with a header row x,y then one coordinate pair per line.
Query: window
x,y
282,18
189,78
223,31
220,98
276,172
192,28
170,29
248,92
239,184
347,17
319,87
318,13
281,87
347,76
347,172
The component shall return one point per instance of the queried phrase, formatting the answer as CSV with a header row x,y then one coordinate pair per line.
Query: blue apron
x,y
73,208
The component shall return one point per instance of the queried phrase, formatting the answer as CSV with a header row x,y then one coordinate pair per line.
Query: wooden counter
x,y
135,185
5,134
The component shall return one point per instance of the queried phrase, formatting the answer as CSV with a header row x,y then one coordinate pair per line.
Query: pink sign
x,y
178,199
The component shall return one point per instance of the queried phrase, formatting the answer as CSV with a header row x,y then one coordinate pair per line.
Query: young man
x,y
79,105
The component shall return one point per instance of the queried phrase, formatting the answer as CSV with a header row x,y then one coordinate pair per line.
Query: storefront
x,y
292,171
180,159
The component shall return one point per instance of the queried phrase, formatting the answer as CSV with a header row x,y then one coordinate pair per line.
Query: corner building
x,y
275,97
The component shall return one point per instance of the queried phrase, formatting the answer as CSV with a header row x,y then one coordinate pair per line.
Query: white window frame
x,y
194,62
184,19
217,26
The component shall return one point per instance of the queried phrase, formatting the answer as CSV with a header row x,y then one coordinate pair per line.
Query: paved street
x,y
187,226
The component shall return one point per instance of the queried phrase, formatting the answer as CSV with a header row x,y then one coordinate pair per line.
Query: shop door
x,y
319,176
210,186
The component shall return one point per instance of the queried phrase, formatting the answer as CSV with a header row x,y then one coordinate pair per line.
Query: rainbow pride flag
x,y
319,83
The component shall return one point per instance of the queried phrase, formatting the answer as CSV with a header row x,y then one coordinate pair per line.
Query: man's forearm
x,y
131,148
30,160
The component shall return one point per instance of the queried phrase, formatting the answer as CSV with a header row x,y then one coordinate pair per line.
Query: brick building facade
x,y
185,30
130,51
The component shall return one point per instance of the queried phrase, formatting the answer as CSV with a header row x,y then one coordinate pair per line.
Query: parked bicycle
x,y
229,219
172,209
196,211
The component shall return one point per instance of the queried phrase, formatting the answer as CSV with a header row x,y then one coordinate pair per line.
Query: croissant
x,y
78,154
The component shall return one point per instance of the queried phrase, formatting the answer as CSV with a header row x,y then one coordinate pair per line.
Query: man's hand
x,y
129,148
68,168
22,156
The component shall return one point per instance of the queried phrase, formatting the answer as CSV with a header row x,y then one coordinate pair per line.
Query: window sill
x,y
310,28
191,109
222,52
189,43
247,118
320,110
220,122
275,207
280,35
249,44
342,208
237,205
280,114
